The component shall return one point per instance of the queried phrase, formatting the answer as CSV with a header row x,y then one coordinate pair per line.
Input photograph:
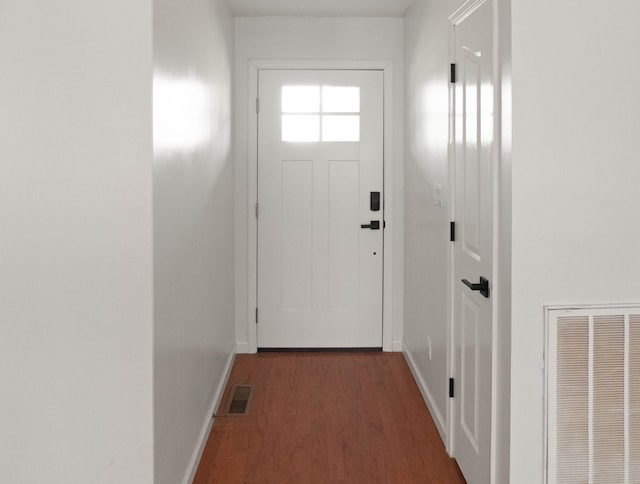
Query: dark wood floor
x,y
326,418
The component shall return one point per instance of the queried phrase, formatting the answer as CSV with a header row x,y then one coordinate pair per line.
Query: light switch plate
x,y
438,198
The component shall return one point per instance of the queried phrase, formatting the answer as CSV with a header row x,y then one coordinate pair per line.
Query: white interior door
x,y
473,249
320,158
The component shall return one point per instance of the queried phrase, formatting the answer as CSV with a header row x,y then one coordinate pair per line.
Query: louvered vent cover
x,y
593,395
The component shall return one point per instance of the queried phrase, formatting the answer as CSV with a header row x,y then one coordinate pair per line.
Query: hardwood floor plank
x,y
326,418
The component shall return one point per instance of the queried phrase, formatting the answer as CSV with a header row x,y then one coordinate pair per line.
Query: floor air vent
x,y
240,397
593,395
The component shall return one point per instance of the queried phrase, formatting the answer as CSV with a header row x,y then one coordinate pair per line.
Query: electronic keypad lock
x,y
374,201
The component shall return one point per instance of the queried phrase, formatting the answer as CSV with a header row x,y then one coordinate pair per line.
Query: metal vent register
x,y
592,363
240,398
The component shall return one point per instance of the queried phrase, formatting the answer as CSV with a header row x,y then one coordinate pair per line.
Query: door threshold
x,y
321,350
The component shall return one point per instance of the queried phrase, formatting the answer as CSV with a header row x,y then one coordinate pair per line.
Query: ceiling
x,y
319,8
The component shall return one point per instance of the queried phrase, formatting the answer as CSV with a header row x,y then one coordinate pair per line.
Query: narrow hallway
x,y
326,418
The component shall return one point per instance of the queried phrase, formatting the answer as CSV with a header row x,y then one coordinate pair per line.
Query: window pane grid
x,y
340,99
320,113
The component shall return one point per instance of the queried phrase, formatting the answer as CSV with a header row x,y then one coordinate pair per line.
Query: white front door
x,y
320,178
473,248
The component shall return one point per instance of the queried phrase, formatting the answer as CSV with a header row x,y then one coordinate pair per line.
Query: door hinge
x,y
451,388
257,105
256,315
453,73
257,209
452,231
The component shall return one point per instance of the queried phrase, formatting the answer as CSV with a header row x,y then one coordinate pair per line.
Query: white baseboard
x,y
206,427
242,348
426,394
397,346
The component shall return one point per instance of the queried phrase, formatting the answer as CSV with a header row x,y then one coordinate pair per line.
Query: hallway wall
x,y
317,38
75,242
427,245
576,203
194,338
427,225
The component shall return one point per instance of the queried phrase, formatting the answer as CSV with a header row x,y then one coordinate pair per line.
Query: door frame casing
x,y
386,66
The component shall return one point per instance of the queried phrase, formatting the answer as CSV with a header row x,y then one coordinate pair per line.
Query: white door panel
x,y
319,272
473,251
469,366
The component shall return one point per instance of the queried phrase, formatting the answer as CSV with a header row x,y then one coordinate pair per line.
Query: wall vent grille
x,y
592,379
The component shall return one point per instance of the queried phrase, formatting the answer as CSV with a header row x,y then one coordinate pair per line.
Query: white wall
x,y
426,225
572,175
300,38
427,59
576,203
193,225
75,242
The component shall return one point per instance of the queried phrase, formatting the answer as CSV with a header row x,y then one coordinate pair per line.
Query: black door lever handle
x,y
374,225
482,286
